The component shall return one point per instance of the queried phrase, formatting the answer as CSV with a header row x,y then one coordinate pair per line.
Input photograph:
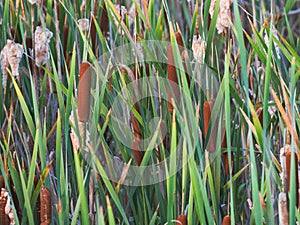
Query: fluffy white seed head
x,y
198,48
41,41
224,14
84,24
10,55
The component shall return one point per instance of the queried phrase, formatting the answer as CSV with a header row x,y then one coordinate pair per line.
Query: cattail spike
x,y
283,209
224,14
42,38
206,117
226,220
172,75
84,88
138,154
45,206
104,21
182,220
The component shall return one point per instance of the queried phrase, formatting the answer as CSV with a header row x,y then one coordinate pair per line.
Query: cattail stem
x,y
35,71
57,45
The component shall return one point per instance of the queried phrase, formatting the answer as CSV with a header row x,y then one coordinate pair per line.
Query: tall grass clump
x,y
149,112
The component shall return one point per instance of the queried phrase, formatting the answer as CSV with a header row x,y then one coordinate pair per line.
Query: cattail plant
x,y
42,38
181,220
2,184
4,66
172,74
93,32
224,14
83,135
11,55
283,209
225,157
123,12
6,211
206,117
83,111
207,122
104,22
286,162
198,48
136,148
226,220
45,206
4,218
84,91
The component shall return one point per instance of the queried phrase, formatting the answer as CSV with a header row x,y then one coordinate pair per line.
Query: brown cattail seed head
x,y
172,75
104,21
206,117
45,206
182,220
41,41
226,220
84,88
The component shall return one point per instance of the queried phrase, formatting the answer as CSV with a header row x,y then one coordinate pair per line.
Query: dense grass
x,y
233,170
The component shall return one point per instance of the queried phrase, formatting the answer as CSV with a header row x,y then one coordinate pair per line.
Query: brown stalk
x,y
57,44
182,220
84,88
